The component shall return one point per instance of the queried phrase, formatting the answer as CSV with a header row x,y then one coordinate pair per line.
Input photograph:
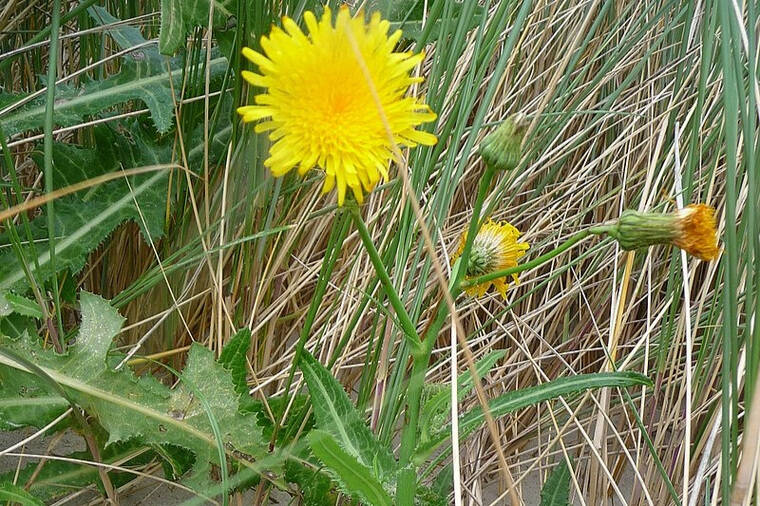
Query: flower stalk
x,y
410,330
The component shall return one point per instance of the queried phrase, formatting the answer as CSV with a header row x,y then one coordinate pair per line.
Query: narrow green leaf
x,y
16,494
525,397
12,303
171,35
355,478
556,490
178,17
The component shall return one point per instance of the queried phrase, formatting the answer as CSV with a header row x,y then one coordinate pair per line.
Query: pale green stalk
x,y
48,151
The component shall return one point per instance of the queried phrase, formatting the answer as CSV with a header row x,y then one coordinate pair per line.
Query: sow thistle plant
x,y
336,98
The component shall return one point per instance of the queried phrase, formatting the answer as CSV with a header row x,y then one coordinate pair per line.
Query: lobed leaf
x,y
128,407
86,218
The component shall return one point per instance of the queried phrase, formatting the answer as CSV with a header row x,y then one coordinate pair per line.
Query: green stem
x,y
409,328
407,483
48,151
535,262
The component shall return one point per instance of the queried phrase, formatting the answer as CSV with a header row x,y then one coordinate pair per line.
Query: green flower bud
x,y
501,148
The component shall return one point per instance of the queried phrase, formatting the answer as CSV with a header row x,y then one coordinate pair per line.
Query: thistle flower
x,y
501,149
692,229
319,108
494,248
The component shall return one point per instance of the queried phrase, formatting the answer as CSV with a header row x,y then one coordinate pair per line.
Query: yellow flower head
x,y
321,110
495,248
692,229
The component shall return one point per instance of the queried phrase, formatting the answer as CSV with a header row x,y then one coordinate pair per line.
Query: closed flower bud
x,y
501,148
692,229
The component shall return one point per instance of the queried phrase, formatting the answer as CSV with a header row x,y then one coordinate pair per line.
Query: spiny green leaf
x,y
12,303
144,77
354,478
132,83
125,35
436,408
337,415
426,496
26,402
315,484
556,490
530,396
86,218
233,358
17,495
129,408
178,17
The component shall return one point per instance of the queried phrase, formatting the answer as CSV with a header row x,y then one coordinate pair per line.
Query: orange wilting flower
x,y
692,229
494,248
319,107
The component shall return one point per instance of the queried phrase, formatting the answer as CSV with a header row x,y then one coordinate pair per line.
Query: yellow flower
x,y
319,108
692,229
495,248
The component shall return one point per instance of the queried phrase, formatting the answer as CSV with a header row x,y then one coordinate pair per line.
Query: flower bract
x,y
336,98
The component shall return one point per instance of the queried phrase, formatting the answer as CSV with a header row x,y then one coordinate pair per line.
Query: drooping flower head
x,y
692,229
320,108
494,248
